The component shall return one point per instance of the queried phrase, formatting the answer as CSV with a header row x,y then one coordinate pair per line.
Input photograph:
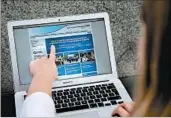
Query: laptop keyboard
x,y
85,97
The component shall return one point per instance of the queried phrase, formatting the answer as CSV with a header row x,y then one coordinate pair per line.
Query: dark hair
x,y
154,94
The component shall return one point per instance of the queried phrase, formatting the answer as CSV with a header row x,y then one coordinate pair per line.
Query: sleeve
x,y
38,104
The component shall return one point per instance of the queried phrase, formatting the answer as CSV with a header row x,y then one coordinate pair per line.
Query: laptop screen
x,y
81,48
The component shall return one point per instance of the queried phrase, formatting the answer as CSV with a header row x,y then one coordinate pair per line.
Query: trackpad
x,y
106,112
85,115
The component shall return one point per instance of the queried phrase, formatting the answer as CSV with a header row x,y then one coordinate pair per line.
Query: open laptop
x,y
88,84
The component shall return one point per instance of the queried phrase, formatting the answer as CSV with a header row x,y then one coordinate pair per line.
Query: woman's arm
x,y
38,104
39,101
44,72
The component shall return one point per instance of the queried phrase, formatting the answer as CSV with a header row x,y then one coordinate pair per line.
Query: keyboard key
x,y
95,92
53,97
73,89
86,98
77,103
60,91
57,106
111,94
120,102
64,97
70,96
102,92
84,102
84,90
104,84
65,93
92,97
57,98
79,88
60,101
72,108
89,93
103,99
72,92
111,84
73,99
53,94
83,94
71,104
25,97
55,101
113,102
98,96
110,87
77,95
114,98
79,98
59,94
116,93
64,105
107,104
108,91
105,95
90,101
97,88
93,105
100,104
78,91
66,90
91,89
85,87
66,100
98,85
103,88
97,100
92,86
113,90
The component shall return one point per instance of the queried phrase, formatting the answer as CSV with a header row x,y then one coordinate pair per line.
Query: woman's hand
x,y
123,110
44,72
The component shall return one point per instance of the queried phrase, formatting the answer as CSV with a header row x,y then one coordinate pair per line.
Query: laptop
x,y
87,83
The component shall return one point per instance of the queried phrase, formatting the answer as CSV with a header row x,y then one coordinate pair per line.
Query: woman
x,y
153,96
39,102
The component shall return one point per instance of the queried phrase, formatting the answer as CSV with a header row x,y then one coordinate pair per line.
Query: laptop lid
x,y
84,49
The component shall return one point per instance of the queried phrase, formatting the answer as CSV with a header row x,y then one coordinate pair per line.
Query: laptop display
x,y
81,48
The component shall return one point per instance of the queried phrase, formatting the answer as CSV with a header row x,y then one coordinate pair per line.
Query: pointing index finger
x,y
52,53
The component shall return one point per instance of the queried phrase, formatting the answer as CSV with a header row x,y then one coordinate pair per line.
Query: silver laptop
x,y
88,84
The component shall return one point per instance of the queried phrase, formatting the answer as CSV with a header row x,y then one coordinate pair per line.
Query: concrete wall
x,y
125,26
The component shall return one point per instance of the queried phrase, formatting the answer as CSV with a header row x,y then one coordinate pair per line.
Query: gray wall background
x,y
125,26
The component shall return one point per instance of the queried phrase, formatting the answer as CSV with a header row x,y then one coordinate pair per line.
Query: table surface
x,y
8,102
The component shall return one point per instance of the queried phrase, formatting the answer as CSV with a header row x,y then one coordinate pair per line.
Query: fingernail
x,y
52,46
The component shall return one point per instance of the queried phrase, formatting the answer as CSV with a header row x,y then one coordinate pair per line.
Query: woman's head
x,y
154,94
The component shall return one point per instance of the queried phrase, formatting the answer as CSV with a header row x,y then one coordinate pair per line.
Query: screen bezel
x,y
66,82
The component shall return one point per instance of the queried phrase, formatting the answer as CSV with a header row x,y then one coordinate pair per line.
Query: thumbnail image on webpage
x,y
75,55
